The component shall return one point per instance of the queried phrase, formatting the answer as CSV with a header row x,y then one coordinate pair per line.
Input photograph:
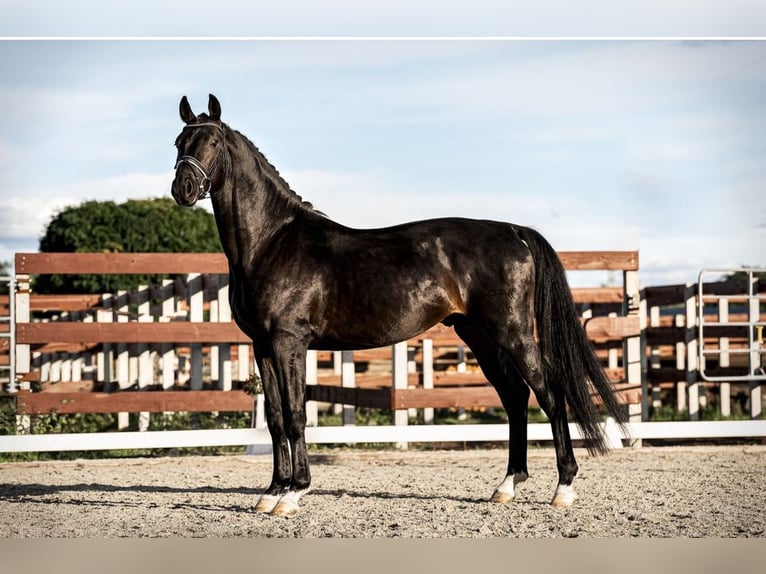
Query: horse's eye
x,y
214,143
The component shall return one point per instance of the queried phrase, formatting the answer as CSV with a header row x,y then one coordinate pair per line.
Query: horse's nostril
x,y
188,188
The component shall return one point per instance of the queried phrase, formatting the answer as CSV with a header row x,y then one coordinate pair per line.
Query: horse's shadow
x,y
51,494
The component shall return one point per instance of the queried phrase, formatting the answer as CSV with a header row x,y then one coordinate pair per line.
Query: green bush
x,y
135,226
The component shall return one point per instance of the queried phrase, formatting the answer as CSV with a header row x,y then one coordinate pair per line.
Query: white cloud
x,y
27,215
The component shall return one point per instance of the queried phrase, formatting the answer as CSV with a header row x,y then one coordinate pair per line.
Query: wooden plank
x,y
597,295
373,398
598,328
173,332
601,329
161,401
466,397
451,378
161,263
475,397
120,263
599,260
39,302
207,401
440,379
365,380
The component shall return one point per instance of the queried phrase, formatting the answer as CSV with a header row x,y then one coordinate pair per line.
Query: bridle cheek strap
x,y
206,184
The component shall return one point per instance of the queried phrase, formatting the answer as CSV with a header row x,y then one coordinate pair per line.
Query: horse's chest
x,y
249,309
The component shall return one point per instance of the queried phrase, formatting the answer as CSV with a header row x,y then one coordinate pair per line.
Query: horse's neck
x,y
249,208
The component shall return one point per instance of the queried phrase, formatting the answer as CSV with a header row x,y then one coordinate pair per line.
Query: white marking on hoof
x,y
565,496
506,490
288,504
266,503
285,508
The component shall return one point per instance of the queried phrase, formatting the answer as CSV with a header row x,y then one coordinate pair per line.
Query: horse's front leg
x,y
289,369
282,468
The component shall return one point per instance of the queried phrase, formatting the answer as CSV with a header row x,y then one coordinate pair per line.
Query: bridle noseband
x,y
206,183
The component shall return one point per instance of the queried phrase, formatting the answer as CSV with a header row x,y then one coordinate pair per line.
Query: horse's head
x,y
200,149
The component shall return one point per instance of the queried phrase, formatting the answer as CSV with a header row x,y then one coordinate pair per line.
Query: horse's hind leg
x,y
526,358
515,336
514,394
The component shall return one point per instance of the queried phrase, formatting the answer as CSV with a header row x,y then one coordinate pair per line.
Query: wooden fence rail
x,y
178,338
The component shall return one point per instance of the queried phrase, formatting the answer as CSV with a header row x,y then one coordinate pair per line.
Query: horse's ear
x,y
187,115
214,108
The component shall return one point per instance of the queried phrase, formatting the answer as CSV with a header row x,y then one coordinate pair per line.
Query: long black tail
x,y
568,358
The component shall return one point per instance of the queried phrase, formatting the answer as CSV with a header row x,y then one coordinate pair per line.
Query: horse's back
x,y
388,284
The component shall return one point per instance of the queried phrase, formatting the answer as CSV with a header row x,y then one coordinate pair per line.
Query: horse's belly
x,y
364,329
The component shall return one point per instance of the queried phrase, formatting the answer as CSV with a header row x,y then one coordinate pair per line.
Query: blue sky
x,y
608,144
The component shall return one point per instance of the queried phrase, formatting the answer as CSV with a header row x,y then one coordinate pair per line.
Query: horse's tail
x,y
568,359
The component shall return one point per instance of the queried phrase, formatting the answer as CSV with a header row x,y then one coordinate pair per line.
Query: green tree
x,y
135,226
742,275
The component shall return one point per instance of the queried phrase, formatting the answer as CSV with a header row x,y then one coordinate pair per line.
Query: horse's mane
x,y
272,174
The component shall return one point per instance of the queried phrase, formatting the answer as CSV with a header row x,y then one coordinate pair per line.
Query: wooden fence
x,y
90,353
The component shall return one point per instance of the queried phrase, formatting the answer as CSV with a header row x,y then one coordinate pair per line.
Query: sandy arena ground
x,y
649,492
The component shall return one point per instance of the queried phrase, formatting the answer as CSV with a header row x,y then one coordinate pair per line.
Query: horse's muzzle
x,y
185,191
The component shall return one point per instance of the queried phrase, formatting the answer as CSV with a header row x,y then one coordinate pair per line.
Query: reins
x,y
206,183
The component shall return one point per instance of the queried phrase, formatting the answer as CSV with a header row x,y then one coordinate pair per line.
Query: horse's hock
x,y
178,337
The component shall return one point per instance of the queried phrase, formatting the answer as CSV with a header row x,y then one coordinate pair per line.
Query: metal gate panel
x,y
9,338
754,349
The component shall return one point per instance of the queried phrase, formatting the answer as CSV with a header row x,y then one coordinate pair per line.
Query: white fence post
x,y
196,303
145,363
243,363
312,415
23,352
167,311
123,361
633,357
224,349
348,380
428,376
400,381
104,359
337,369
22,312
690,340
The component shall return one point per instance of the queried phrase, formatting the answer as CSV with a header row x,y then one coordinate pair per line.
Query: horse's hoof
x,y
506,490
502,497
266,503
285,508
564,497
288,504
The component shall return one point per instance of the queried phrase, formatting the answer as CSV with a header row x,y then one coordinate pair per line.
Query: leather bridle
x,y
206,183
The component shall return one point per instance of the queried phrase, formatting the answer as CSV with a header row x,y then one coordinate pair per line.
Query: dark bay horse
x,y
300,281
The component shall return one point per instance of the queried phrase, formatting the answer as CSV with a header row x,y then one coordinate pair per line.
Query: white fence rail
x,y
372,434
